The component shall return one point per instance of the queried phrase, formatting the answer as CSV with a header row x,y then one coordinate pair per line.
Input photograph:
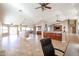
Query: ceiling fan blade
x,y
41,3
47,3
44,3
37,7
48,7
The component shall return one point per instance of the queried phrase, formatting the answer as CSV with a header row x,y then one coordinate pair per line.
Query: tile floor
x,y
30,46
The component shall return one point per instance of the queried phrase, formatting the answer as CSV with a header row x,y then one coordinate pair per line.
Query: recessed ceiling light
x,y
20,10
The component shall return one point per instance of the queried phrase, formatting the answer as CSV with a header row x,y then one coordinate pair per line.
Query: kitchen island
x,y
53,35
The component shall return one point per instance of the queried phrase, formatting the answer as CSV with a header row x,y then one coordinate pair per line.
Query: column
x,y
8,30
42,30
0,31
17,31
34,29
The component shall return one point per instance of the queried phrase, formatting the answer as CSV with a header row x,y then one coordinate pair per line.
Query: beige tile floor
x,y
22,46
73,46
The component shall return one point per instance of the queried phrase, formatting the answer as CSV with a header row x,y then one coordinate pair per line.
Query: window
x,y
29,29
13,30
5,29
23,28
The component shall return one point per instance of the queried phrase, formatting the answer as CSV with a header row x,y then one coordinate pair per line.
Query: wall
x,y
65,24
0,31
71,26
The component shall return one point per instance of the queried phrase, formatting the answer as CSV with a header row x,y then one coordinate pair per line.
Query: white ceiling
x,y
9,13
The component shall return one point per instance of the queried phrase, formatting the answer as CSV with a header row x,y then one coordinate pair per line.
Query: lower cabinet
x,y
56,36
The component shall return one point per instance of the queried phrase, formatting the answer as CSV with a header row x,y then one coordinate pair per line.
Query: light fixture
x,y
11,24
57,21
20,10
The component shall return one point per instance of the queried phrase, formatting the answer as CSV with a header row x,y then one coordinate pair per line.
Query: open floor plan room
x,y
39,29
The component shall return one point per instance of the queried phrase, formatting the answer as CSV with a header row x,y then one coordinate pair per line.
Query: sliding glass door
x,y
13,30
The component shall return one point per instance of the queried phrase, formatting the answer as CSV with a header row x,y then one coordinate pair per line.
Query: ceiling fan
x,y
44,6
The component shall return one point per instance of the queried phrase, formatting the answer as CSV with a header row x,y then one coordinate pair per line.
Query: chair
x,y
48,48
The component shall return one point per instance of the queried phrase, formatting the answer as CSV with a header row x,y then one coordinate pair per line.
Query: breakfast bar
x,y
53,35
